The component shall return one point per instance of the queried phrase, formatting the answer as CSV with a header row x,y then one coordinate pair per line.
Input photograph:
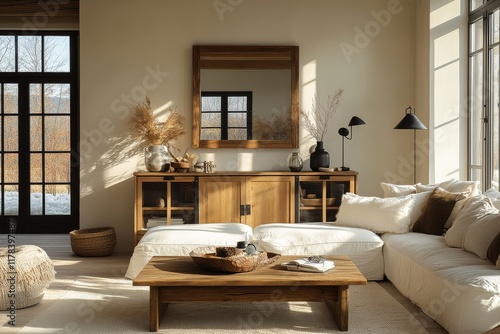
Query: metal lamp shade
x,y
410,122
355,120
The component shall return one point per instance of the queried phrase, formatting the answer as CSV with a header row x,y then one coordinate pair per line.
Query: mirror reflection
x,y
245,96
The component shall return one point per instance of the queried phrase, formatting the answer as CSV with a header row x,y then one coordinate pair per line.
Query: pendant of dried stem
x,y
316,121
146,127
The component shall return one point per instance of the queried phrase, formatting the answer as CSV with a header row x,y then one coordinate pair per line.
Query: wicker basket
x,y
98,241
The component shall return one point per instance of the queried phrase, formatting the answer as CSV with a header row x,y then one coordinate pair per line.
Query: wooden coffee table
x,y
179,279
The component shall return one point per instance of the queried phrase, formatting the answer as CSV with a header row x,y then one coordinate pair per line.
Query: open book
x,y
304,264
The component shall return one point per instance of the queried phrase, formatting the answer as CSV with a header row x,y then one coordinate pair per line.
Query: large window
x,y
39,172
484,92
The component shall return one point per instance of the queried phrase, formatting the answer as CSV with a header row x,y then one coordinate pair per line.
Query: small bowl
x,y
180,166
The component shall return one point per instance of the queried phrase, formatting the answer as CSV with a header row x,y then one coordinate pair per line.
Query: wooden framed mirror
x,y
245,96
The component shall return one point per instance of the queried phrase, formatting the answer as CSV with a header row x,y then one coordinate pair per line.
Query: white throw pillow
x,y
481,233
376,214
419,202
430,187
395,190
494,195
474,208
470,188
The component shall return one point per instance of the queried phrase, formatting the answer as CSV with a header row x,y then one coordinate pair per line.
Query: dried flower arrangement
x,y
147,127
316,121
279,127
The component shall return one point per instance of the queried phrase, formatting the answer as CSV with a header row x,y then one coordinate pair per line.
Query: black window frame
x,y
43,224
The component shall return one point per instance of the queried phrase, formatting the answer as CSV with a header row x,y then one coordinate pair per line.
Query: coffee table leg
x,y
340,307
154,309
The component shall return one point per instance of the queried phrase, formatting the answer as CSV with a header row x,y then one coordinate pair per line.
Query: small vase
x,y
319,158
156,158
295,162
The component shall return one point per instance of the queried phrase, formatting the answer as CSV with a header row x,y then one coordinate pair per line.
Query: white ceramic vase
x,y
156,158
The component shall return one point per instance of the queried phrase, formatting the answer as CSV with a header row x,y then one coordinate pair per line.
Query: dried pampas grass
x,y
146,127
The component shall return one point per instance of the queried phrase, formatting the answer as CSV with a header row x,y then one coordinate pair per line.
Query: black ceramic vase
x,y
319,158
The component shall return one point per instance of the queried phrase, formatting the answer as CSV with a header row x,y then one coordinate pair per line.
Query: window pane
x,y
210,134
494,107
476,36
57,133
57,167
35,98
11,163
11,196
57,99
7,54
10,133
211,103
29,53
36,200
237,103
476,108
36,167
494,18
237,134
36,133
56,53
57,199
474,4
211,120
10,98
237,120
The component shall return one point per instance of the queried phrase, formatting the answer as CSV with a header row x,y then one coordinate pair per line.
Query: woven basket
x,y
98,241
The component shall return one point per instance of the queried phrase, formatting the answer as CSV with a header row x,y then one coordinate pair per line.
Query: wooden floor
x,y
69,267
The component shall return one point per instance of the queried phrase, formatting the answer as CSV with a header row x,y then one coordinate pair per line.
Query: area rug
x,y
107,305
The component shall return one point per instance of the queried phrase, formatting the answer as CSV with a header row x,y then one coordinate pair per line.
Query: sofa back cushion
x,y
391,215
481,234
436,212
474,208
395,190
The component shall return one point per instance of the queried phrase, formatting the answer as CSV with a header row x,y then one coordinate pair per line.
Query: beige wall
x,y
130,48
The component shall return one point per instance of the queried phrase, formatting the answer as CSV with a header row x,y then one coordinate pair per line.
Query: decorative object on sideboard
x,y
344,132
411,122
157,135
295,162
156,158
319,158
316,123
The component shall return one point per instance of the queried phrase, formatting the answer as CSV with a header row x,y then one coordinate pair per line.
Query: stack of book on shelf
x,y
160,221
156,221
315,264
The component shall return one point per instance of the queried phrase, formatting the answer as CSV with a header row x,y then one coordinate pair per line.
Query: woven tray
x,y
205,257
98,241
317,201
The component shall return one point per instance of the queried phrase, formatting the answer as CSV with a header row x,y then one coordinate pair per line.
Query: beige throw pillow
x,y
481,233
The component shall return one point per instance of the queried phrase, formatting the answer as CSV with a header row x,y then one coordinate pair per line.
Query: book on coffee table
x,y
305,264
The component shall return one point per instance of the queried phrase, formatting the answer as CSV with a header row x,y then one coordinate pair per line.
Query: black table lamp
x,y
355,120
411,122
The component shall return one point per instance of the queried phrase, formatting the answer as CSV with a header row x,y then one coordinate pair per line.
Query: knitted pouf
x,y
24,276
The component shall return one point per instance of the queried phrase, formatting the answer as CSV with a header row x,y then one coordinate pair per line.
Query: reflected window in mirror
x,y
226,115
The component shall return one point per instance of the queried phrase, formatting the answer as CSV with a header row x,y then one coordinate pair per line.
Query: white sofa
x,y
364,247
444,276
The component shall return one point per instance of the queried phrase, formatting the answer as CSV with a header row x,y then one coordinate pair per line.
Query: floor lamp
x,y
411,122
355,120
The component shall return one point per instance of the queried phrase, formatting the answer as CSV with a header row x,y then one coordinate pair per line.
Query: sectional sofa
x,y
438,244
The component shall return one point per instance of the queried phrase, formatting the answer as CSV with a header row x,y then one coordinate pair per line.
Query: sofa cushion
x,y
494,195
363,247
493,253
474,208
470,188
392,214
481,233
395,190
436,212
